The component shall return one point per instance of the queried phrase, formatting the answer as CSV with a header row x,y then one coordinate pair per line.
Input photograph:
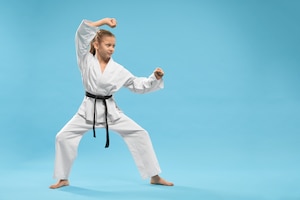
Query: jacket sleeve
x,y
143,85
83,37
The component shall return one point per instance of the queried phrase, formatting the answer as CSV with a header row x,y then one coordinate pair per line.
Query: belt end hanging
x,y
107,137
94,132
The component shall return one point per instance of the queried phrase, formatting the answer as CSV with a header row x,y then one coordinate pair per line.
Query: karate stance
x,y
102,77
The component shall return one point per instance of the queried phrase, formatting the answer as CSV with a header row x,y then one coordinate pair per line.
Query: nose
x,y
112,49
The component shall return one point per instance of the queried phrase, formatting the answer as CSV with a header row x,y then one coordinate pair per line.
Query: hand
x,y
159,73
112,22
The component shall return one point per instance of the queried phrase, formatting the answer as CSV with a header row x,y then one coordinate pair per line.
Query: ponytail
x,y
92,49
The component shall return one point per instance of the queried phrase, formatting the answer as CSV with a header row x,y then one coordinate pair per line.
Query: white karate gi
x,y
107,83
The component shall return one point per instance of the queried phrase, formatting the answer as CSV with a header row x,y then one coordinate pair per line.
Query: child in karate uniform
x,y
102,77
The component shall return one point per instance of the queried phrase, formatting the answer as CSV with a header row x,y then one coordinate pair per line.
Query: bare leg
x,y
60,183
157,180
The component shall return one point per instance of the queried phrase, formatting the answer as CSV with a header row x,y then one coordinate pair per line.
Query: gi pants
x,y
136,138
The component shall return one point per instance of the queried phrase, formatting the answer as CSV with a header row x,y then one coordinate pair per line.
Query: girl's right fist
x,y
112,22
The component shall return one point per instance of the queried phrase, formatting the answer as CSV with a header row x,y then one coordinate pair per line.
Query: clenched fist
x,y
159,73
112,22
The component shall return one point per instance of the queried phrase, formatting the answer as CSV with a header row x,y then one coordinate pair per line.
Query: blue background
x,y
226,125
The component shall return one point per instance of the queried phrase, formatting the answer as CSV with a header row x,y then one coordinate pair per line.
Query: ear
x,y
96,45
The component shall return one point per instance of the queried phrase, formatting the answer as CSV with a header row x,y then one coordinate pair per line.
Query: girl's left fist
x,y
159,73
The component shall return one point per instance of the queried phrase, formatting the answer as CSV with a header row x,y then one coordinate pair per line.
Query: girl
x,y
102,77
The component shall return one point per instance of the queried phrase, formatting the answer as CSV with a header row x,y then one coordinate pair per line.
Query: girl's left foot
x,y
59,184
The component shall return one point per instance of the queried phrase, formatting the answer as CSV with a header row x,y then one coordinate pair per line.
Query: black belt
x,y
103,98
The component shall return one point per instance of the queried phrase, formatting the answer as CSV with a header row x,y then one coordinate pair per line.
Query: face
x,y
106,47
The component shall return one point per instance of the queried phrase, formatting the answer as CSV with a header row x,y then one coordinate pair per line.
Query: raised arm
x,y
112,22
85,34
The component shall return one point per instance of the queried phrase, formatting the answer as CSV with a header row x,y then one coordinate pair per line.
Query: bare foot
x,y
59,184
157,180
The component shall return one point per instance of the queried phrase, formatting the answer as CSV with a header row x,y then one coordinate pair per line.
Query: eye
x,y
110,45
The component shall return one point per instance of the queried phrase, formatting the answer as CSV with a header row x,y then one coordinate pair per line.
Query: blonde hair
x,y
98,38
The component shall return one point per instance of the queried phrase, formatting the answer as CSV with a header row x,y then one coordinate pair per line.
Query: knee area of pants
x,y
60,138
143,132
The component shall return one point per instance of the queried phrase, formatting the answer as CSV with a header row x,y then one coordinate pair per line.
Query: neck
x,y
102,62
101,59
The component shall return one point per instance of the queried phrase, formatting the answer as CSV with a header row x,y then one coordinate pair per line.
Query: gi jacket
x,y
114,77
